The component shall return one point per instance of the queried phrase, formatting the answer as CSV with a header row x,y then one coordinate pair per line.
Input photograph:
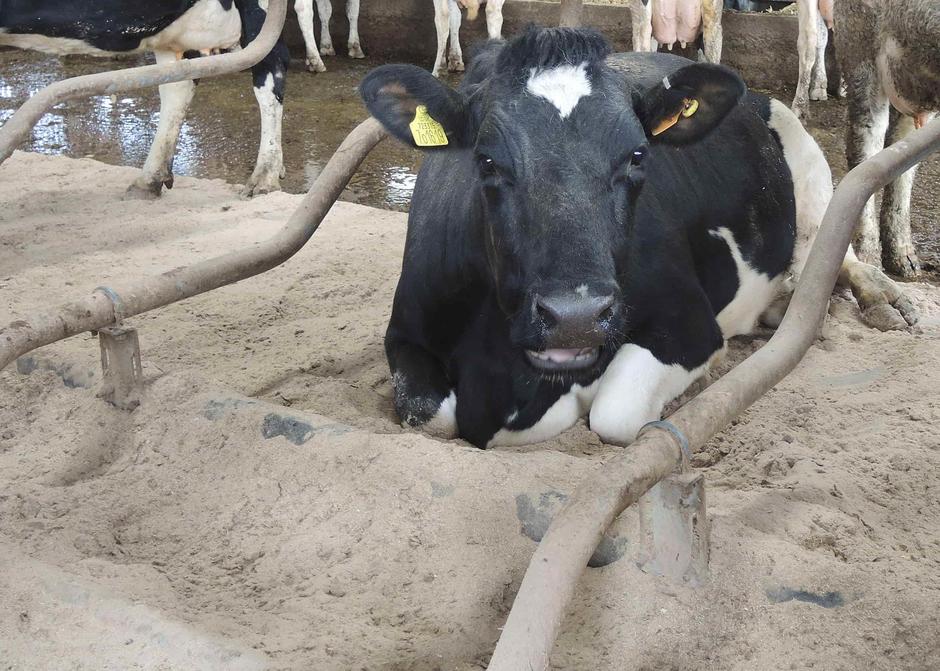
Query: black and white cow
x,y
170,29
592,233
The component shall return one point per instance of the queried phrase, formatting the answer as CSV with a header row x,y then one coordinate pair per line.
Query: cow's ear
x,y
416,108
687,104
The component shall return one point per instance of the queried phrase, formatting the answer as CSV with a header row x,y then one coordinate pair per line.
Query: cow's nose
x,y
574,320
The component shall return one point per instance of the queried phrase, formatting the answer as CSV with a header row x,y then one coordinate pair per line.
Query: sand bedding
x,y
261,509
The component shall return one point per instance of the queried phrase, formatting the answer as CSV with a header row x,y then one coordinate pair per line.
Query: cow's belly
x,y
756,291
562,415
205,25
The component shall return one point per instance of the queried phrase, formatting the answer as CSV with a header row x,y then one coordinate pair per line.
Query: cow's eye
x,y
638,155
487,167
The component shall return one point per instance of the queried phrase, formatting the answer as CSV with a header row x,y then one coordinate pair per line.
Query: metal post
x,y
120,363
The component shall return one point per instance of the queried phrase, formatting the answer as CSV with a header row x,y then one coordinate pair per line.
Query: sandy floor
x,y
261,509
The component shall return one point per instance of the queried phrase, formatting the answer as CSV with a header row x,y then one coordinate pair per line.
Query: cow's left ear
x,y
687,104
415,107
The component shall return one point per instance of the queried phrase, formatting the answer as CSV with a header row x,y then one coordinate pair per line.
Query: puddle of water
x,y
220,136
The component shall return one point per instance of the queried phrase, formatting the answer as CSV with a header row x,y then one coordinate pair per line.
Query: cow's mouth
x,y
563,359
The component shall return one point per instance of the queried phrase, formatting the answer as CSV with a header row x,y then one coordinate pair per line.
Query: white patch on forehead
x,y
563,86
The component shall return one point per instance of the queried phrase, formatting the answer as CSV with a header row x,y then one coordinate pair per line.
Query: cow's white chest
x,y
205,25
563,86
562,415
756,291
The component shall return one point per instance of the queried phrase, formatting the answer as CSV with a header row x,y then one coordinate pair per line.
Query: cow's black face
x,y
559,143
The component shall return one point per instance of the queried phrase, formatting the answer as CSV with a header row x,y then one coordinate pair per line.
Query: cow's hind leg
x,y
158,168
712,34
883,305
897,246
424,397
325,10
808,18
304,9
641,21
819,82
494,19
455,55
442,10
352,13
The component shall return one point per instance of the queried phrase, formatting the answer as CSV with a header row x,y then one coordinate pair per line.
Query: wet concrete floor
x,y
220,136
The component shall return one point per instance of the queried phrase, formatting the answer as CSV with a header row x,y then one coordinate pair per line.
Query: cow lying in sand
x,y
447,23
586,233
304,9
889,54
170,29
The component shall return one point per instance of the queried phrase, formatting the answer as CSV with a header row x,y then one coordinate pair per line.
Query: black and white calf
x,y
170,29
591,234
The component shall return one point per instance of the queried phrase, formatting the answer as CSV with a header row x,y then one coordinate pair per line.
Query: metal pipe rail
x,y
17,128
559,560
109,305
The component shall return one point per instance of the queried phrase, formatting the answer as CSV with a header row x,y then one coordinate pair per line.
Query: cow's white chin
x,y
563,359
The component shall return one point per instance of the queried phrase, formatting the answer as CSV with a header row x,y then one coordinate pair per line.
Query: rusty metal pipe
x,y
559,560
108,305
17,128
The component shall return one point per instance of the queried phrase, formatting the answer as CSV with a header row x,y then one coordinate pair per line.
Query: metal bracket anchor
x,y
120,362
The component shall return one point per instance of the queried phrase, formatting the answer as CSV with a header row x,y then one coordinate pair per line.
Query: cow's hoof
x,y
327,50
143,190
355,51
261,186
315,66
818,94
455,65
801,110
882,303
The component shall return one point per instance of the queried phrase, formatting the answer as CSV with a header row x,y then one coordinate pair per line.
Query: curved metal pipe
x,y
559,560
108,305
17,128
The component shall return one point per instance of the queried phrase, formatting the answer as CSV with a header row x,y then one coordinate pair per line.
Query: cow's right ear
x,y
415,107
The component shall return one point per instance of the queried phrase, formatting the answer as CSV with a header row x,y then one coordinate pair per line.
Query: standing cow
x,y
304,9
656,22
587,232
168,28
447,23
889,54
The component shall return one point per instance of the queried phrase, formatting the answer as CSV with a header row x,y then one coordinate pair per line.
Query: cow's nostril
x,y
606,316
546,313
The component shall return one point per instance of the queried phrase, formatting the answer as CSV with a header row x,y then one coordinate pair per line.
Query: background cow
x,y
889,54
447,23
170,29
586,233
666,22
304,9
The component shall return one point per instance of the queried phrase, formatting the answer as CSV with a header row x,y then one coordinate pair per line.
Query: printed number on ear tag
x,y
425,130
689,107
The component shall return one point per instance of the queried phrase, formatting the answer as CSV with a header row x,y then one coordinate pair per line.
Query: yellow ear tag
x,y
689,107
425,130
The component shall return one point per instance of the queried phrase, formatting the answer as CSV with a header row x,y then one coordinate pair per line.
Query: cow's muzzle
x,y
574,327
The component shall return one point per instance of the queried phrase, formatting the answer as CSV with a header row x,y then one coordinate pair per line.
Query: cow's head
x,y
559,142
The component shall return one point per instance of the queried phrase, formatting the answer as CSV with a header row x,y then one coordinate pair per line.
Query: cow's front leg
x,y
325,10
304,9
634,390
712,34
898,255
424,397
352,13
158,168
269,91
